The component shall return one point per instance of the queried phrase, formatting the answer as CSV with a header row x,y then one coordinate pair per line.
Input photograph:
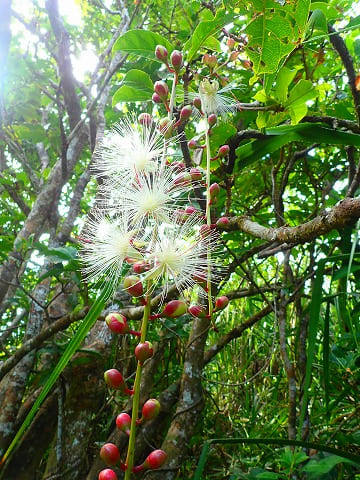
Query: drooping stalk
x,y
136,398
208,219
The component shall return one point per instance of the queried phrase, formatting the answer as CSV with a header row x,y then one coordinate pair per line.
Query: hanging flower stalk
x,y
142,224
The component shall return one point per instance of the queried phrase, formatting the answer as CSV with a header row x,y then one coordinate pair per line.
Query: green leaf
x,y
136,87
142,43
328,10
296,103
277,137
204,30
59,253
283,80
72,347
267,475
317,21
324,465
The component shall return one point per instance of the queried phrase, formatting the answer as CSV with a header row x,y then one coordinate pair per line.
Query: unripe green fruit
x,y
175,308
107,474
155,460
150,409
161,53
143,351
110,454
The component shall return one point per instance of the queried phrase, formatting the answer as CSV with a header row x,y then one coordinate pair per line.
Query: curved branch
x,y
345,212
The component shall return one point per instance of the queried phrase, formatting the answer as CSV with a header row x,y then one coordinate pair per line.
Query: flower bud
x,y
204,230
155,460
222,222
114,379
123,423
212,119
183,179
165,127
196,174
197,311
161,89
140,267
209,60
145,118
175,308
176,60
185,112
107,474
156,98
230,43
133,285
150,409
197,102
214,190
233,56
221,302
178,166
143,351
223,151
193,143
190,210
110,454
161,53
117,323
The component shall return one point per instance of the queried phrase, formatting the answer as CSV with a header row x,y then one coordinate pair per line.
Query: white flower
x,y
180,255
107,243
149,196
214,100
130,147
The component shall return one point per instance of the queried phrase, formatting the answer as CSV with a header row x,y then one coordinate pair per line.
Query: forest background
x,y
279,367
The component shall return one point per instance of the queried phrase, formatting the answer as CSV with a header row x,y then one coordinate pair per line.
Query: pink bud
x,y
145,118
175,308
161,53
204,230
176,59
114,379
197,102
117,323
214,190
161,89
222,222
178,166
209,60
212,119
150,409
221,302
155,460
185,112
140,267
183,179
156,98
110,454
192,144
223,151
190,210
133,285
230,43
165,127
107,474
123,422
143,351
196,174
197,311
233,56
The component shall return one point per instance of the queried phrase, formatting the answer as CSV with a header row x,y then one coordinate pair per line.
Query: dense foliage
x,y
278,369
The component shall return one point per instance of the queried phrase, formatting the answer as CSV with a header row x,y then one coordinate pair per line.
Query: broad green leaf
x,y
283,80
328,10
204,30
274,32
141,43
212,43
296,103
277,137
324,465
267,475
135,87
317,21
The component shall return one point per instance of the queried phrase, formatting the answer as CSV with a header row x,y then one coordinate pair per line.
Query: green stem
x,y
136,398
208,219
172,96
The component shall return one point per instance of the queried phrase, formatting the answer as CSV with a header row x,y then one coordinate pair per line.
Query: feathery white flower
x,y
130,147
180,255
214,100
107,243
149,196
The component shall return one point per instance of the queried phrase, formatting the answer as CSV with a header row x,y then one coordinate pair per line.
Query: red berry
x,y
107,474
212,119
117,323
151,409
176,59
175,308
114,379
155,460
223,151
197,311
133,285
110,454
161,53
143,351
221,302
123,422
